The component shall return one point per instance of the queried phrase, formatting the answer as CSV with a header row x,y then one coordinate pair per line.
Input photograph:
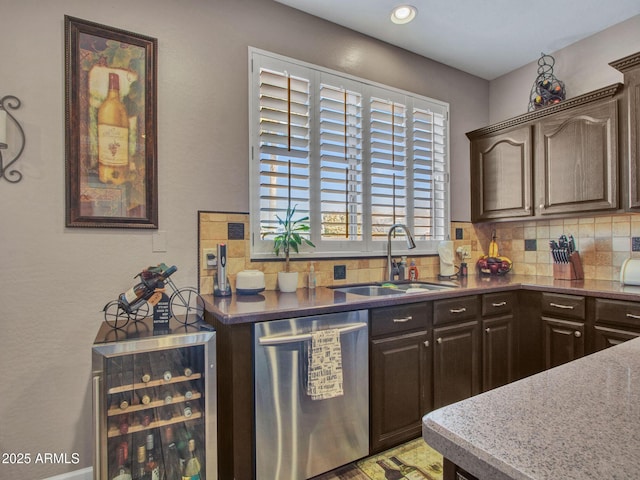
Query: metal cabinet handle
x,y
439,340
426,343
488,330
402,320
631,315
577,334
500,304
457,310
558,305
541,206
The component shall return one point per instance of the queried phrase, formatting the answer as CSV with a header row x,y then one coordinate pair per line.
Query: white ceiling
x,y
486,38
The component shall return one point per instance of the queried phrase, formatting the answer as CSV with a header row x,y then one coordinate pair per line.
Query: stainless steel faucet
x,y
410,244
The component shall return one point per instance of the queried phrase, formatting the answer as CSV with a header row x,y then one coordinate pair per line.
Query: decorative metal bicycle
x,y
185,304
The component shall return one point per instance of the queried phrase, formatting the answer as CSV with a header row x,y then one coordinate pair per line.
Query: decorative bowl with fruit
x,y
494,265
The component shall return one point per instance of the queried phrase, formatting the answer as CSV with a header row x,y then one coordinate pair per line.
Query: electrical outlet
x,y
209,260
339,272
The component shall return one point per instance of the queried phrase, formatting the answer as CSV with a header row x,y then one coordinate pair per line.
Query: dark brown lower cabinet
x,y
562,341
605,337
401,388
456,362
498,352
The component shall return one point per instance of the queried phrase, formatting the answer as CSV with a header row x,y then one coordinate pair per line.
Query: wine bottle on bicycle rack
x,y
150,280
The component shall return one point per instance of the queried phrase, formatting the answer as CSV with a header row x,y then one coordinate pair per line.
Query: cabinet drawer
x,y
455,309
569,306
617,312
498,303
401,318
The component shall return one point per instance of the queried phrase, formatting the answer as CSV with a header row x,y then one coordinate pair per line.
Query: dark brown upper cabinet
x,y
577,160
554,161
501,174
630,129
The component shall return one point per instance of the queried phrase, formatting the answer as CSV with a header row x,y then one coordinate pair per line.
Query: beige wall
x,y
54,280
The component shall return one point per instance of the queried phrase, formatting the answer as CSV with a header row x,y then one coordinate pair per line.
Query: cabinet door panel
x,y
577,160
401,388
498,353
563,341
606,337
456,369
501,173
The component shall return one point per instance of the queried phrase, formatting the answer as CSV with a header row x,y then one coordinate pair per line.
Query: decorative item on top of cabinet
x,y
547,89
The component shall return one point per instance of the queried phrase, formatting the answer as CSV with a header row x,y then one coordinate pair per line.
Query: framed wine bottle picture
x,y
111,127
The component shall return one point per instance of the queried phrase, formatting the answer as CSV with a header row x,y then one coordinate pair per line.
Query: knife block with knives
x,y
566,259
569,271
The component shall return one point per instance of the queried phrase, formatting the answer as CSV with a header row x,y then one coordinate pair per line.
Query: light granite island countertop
x,y
578,421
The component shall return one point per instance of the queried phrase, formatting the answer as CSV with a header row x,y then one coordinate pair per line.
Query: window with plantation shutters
x,y
354,156
340,136
388,171
283,146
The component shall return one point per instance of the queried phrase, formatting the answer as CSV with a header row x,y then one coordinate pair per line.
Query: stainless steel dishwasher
x,y
297,436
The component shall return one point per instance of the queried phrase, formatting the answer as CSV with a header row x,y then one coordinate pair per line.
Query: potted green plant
x,y
288,237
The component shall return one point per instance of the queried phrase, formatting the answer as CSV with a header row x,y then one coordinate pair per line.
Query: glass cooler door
x,y
155,409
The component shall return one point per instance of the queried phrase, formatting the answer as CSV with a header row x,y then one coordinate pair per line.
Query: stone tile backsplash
x,y
604,242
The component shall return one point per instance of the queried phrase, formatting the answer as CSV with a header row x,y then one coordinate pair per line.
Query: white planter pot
x,y
287,281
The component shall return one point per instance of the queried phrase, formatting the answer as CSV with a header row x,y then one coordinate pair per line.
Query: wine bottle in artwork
x,y
409,471
113,136
390,473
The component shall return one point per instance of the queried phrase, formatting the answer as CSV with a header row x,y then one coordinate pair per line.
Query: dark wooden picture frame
x,y
111,127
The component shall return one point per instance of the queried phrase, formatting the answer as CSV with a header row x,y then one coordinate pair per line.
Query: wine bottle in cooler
x,y
122,472
192,468
113,136
172,462
143,367
139,472
152,467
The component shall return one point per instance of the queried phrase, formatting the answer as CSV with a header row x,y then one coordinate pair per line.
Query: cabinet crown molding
x,y
593,96
627,63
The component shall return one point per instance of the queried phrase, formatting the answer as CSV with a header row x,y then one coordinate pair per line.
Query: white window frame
x,y
262,248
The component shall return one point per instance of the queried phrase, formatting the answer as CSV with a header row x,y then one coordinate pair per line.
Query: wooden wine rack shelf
x,y
153,383
113,411
115,431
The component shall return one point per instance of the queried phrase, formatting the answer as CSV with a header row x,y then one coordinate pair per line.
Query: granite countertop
x,y
270,305
577,421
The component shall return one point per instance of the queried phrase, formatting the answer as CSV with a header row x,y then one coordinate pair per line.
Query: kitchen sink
x,y
370,290
417,286
388,288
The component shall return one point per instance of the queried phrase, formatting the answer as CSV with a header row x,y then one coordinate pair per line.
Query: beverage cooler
x,y
154,402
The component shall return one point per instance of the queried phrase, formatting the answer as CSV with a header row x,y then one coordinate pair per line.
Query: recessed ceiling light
x,y
403,14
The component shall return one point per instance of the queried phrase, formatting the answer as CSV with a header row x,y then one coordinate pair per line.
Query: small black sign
x,y
161,312
235,231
